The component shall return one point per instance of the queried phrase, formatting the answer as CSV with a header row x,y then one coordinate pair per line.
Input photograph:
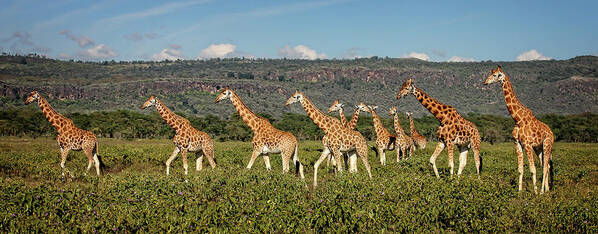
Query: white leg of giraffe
x,y
96,161
199,162
88,167
439,149
382,156
462,160
532,166
450,149
519,152
267,161
317,164
174,154
185,165
254,155
353,162
63,154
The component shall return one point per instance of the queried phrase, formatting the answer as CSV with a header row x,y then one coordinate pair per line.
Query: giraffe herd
x,y
341,139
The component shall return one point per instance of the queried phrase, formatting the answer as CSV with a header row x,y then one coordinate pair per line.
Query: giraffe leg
x,y
382,155
352,163
317,164
256,152
185,165
462,160
532,166
174,154
398,149
286,156
88,153
547,167
199,160
437,151
338,155
519,152
450,147
266,158
64,153
209,153
477,159
362,150
298,165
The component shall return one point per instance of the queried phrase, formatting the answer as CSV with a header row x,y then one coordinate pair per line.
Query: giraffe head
x,y
33,96
392,111
497,75
372,108
336,106
362,107
407,88
227,93
296,97
149,102
408,113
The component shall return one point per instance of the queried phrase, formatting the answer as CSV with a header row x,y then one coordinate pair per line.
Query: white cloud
x,y
83,41
100,51
416,55
300,52
168,53
224,50
532,55
460,59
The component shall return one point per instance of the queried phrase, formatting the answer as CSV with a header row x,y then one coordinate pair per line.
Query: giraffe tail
x,y
298,166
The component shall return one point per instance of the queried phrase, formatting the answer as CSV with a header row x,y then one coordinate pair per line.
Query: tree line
x,y
126,124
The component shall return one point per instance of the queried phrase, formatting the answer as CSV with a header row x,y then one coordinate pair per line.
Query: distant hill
x,y
190,86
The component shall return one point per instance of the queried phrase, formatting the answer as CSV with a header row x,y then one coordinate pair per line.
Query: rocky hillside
x,y
563,87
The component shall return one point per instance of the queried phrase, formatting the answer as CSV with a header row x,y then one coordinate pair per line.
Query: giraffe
x,y
69,136
337,106
454,130
417,138
187,138
339,138
266,138
529,133
404,141
384,139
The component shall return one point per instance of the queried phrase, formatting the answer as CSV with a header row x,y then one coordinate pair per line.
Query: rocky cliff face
x,y
560,87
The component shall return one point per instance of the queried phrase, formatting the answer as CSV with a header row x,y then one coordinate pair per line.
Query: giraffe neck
x,y
398,127
412,126
57,120
250,118
354,119
343,118
175,121
378,126
435,107
323,121
516,108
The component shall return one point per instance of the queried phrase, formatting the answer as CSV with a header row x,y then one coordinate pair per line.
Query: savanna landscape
x,y
316,116
135,194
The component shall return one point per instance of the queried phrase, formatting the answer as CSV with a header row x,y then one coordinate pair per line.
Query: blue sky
x,y
430,30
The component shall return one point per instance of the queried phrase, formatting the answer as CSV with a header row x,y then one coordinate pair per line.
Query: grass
x,y
135,194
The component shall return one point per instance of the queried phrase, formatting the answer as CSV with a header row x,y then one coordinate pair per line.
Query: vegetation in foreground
x,y
134,193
